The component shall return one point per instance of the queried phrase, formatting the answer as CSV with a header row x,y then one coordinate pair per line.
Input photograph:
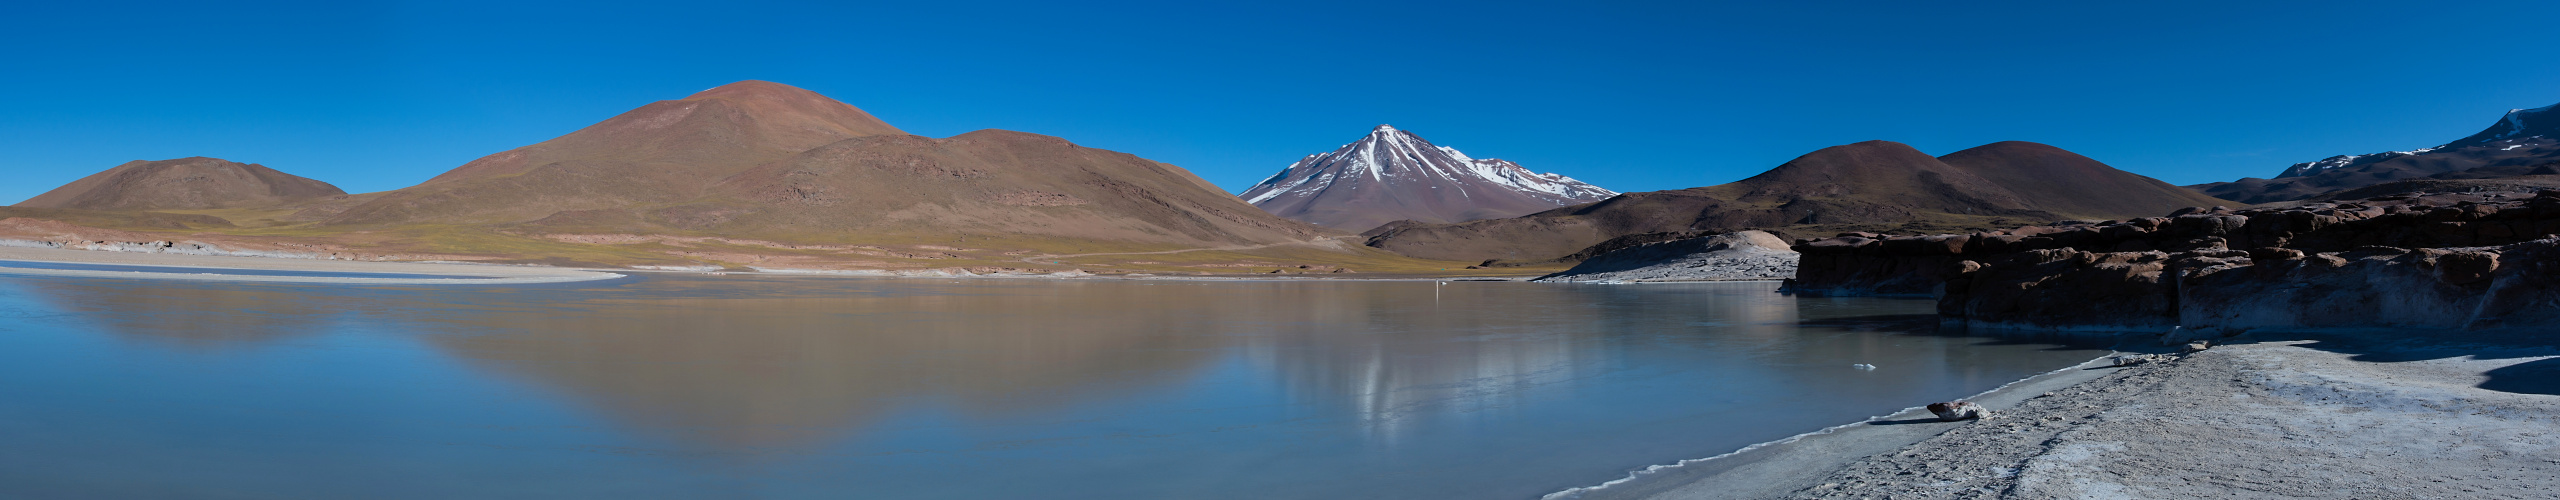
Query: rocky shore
x,y
2395,347
2455,261
2294,419
2376,414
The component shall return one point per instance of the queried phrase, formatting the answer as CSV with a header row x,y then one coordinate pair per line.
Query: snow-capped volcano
x,y
1393,175
2518,127
2521,138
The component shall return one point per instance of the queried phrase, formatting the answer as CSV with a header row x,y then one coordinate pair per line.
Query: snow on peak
x,y
2508,127
2514,121
1391,156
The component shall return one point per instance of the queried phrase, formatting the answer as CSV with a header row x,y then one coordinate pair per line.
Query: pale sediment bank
x,y
2345,415
1775,468
207,268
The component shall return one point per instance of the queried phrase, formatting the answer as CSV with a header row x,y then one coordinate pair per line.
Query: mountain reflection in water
x,y
682,386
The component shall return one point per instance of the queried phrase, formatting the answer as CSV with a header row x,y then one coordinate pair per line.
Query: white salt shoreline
x,y
1773,468
495,274
183,267
2352,414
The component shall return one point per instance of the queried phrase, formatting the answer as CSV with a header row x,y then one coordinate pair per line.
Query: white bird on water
x,y
1863,366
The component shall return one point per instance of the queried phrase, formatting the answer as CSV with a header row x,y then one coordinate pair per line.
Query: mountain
x,y
1873,185
778,163
664,152
2524,137
2066,183
988,182
192,183
1394,175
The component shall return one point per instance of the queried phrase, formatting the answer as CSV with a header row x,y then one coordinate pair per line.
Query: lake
x,y
690,386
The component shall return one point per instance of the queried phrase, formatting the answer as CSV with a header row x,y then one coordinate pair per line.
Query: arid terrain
x,y
1869,186
748,176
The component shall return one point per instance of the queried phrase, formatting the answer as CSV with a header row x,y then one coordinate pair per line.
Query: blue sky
x,y
1630,96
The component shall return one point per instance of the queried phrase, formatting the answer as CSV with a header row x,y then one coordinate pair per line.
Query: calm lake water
x,y
773,387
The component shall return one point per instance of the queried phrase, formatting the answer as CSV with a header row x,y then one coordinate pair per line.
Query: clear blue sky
x,y
1630,96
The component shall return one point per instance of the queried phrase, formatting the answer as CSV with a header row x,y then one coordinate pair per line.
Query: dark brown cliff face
x,y
183,184
1877,184
2443,260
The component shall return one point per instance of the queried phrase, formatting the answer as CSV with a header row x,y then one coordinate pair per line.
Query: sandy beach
x,y
2373,415
193,268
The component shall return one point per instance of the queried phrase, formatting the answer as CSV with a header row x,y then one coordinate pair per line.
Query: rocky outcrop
x,y
2441,288
1746,255
2431,261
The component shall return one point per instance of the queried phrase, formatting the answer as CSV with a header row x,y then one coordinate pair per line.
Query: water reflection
x,y
959,389
188,317
1378,353
762,372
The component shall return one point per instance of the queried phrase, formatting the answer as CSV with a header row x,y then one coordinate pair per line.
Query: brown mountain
x,y
775,162
665,152
2522,138
192,183
1873,185
2066,183
989,182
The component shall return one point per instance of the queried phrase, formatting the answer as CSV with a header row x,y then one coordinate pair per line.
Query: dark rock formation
x,y
2428,260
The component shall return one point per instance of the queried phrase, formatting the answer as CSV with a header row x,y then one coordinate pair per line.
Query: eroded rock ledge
x,y
2430,261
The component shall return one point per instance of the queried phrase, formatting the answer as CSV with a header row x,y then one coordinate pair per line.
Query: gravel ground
x,y
2296,419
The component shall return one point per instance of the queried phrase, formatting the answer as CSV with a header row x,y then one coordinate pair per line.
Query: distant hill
x,y
1868,186
2521,138
988,182
747,176
2071,185
771,161
1393,174
182,184
665,152
2516,179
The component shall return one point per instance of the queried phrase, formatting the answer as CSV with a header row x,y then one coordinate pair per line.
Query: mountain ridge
x,y
761,175
1865,186
663,152
2521,137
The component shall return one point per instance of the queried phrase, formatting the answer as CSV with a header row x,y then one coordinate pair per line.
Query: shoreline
x,y
534,273
2315,414
1747,472
461,273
